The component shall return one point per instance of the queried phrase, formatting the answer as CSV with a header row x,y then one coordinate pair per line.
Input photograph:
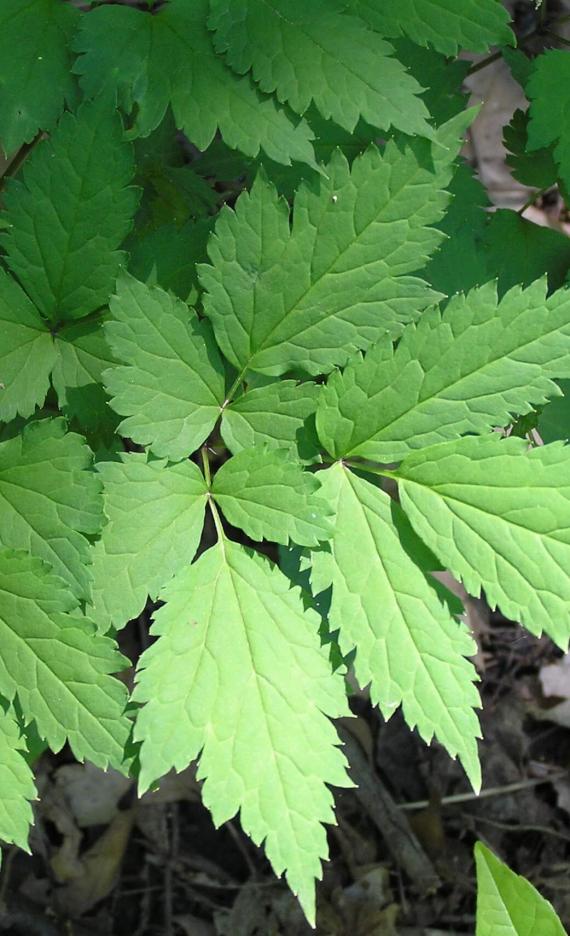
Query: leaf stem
x,y
206,466
370,467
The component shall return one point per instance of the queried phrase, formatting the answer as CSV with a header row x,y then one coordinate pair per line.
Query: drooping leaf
x,y
35,60
168,58
27,352
273,415
155,516
257,714
264,492
408,647
498,516
446,25
49,499
308,296
509,904
548,90
70,212
466,369
58,666
170,385
17,786
308,52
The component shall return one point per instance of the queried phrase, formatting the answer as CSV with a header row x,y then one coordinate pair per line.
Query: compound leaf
x,y
50,499
155,516
466,369
257,714
171,385
314,52
70,212
57,665
17,786
273,415
498,516
268,495
509,904
308,296
35,60
168,58
408,646
548,90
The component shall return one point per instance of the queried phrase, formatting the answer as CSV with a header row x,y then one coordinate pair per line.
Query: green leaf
x,y
498,516
34,67
50,499
269,496
554,421
257,714
533,250
168,58
70,212
307,296
509,904
441,77
168,256
548,90
273,415
155,517
408,647
27,352
171,386
57,665
466,369
537,169
16,779
445,24
308,52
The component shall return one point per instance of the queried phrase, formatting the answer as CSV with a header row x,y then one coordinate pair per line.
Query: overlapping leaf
x,y
549,92
168,58
57,665
498,516
314,52
408,647
70,212
16,779
308,296
49,499
211,685
155,516
464,370
273,415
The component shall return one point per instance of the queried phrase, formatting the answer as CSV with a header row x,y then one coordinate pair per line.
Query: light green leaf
x,y
57,665
35,65
266,493
309,296
498,516
273,415
49,498
548,90
257,714
27,352
16,779
447,25
508,904
408,647
172,384
464,370
70,211
155,517
168,58
307,52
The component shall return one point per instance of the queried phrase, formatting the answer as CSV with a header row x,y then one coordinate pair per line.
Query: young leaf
x,y
464,370
258,714
57,665
70,212
268,495
498,516
172,384
35,64
17,786
509,904
447,25
273,415
549,92
155,517
50,498
168,58
408,647
308,296
314,52
27,352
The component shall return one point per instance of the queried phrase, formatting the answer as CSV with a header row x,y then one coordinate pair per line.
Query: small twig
x,y
561,39
533,199
494,57
514,827
485,794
